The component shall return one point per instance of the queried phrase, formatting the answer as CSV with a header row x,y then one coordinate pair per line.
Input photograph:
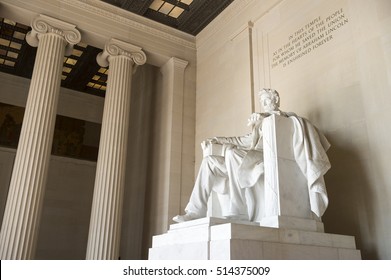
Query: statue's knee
x,y
212,162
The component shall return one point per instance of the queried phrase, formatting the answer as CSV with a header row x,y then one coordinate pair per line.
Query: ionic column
x,y
19,230
106,213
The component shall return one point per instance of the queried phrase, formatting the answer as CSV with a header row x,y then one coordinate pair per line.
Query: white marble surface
x,y
288,222
286,191
188,251
219,239
192,231
22,213
273,175
236,231
106,213
316,87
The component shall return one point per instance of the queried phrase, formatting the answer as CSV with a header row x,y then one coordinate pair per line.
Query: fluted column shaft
x,y
106,213
20,225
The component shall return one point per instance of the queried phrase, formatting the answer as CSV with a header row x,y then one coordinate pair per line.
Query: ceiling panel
x,y
80,70
193,16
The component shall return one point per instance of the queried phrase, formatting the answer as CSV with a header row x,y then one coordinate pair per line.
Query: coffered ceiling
x,y
189,16
80,70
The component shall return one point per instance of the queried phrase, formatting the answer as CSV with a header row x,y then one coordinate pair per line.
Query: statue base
x,y
222,239
285,222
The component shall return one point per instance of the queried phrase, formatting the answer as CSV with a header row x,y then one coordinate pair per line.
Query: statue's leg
x,y
237,207
212,175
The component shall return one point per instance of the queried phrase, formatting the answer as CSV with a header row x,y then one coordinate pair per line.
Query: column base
x,y
221,239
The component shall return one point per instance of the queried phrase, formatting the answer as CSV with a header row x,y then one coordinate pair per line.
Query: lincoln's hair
x,y
272,93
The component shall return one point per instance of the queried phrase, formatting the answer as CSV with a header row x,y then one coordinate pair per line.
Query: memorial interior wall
x,y
152,165
330,60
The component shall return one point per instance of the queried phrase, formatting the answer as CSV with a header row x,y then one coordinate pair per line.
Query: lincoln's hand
x,y
208,141
255,118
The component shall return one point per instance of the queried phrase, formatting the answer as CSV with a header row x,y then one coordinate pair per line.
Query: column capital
x,y
115,47
44,24
174,63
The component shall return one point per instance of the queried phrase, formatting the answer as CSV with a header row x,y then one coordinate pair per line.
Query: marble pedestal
x,y
220,239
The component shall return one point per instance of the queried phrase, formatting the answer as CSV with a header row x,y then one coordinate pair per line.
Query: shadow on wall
x,y
143,92
351,207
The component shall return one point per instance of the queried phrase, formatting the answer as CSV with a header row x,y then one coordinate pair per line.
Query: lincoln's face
x,y
269,103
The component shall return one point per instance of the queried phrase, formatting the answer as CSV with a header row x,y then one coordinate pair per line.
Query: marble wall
x,y
339,78
331,62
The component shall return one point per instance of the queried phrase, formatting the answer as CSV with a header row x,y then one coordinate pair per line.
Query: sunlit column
x,y
19,231
173,72
106,213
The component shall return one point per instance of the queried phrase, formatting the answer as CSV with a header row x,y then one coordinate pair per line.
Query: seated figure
x,y
239,169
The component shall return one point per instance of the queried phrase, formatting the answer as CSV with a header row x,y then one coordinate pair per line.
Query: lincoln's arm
x,y
243,142
246,141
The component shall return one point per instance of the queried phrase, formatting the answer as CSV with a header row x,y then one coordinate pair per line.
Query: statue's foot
x,y
187,217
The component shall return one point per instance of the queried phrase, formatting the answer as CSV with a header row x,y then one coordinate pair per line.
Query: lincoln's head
x,y
269,99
